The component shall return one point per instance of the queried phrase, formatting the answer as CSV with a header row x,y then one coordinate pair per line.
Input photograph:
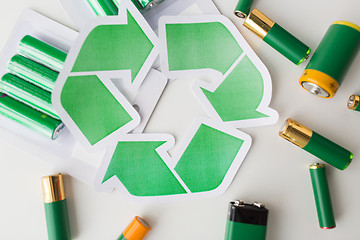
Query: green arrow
x,y
142,171
202,166
114,47
206,161
240,94
84,98
201,46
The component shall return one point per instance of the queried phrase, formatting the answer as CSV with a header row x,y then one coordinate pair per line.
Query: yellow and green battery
x,y
246,221
42,52
322,196
28,93
277,37
136,230
353,102
316,144
29,117
33,72
332,59
57,220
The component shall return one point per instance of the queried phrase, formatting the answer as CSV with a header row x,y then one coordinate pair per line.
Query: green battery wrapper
x,y
57,220
29,117
104,7
243,8
322,198
33,72
243,231
42,52
336,51
122,237
286,44
28,93
329,151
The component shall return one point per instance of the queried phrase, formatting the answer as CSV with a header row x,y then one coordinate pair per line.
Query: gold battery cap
x,y
295,133
353,102
53,188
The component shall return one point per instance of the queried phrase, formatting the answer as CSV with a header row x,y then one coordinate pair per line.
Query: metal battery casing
x,y
246,221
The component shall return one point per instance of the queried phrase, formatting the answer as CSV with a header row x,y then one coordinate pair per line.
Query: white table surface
x,y
274,172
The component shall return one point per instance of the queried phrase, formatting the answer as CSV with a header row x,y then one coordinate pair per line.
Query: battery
x,y
104,7
28,93
146,4
56,212
42,53
332,59
136,230
277,37
29,117
33,72
322,196
243,8
246,221
316,144
353,102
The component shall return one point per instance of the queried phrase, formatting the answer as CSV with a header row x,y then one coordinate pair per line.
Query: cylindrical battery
x,y
243,8
332,59
146,4
104,7
246,221
277,37
322,196
316,144
28,93
42,53
29,117
33,72
136,230
353,102
57,220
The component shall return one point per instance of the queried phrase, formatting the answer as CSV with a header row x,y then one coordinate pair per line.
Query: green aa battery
x,y
42,52
322,196
316,144
104,7
246,221
332,59
28,93
146,4
243,8
353,102
57,220
277,37
33,72
29,117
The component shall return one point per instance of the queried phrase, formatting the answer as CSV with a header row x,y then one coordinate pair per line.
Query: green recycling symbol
x,y
99,115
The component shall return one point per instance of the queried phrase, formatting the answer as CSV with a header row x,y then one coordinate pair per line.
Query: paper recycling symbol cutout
x,y
99,116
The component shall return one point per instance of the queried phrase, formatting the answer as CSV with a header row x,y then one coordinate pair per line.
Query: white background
x,y
274,172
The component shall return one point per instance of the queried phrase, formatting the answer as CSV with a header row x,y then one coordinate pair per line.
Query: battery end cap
x,y
318,83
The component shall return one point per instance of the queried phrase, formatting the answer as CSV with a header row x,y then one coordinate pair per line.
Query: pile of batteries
x,y
329,64
26,88
322,77
111,7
